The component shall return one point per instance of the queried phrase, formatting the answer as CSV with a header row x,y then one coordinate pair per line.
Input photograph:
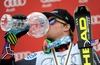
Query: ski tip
x,y
81,8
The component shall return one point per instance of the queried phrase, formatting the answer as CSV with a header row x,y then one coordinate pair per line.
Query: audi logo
x,y
14,3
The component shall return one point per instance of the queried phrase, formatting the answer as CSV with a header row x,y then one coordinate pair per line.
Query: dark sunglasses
x,y
53,20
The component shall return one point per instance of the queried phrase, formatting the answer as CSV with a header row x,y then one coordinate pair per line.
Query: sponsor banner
x,y
28,6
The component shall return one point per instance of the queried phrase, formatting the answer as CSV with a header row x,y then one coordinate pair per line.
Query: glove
x,y
13,35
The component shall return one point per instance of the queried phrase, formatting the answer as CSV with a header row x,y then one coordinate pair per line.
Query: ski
x,y
83,28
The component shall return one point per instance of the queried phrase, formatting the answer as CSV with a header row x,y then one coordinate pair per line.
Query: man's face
x,y
56,29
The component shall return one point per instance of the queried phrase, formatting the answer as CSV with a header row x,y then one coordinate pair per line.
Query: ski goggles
x,y
53,20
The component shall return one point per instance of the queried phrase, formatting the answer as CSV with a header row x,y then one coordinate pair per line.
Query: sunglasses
x,y
53,20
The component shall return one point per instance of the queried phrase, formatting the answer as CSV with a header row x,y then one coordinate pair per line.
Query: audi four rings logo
x,y
14,3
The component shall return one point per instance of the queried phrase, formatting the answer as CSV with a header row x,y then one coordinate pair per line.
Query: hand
x,y
13,35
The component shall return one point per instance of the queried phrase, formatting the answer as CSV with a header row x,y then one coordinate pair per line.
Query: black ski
x,y
83,27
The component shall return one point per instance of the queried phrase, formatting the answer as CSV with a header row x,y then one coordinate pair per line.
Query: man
x,y
61,26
